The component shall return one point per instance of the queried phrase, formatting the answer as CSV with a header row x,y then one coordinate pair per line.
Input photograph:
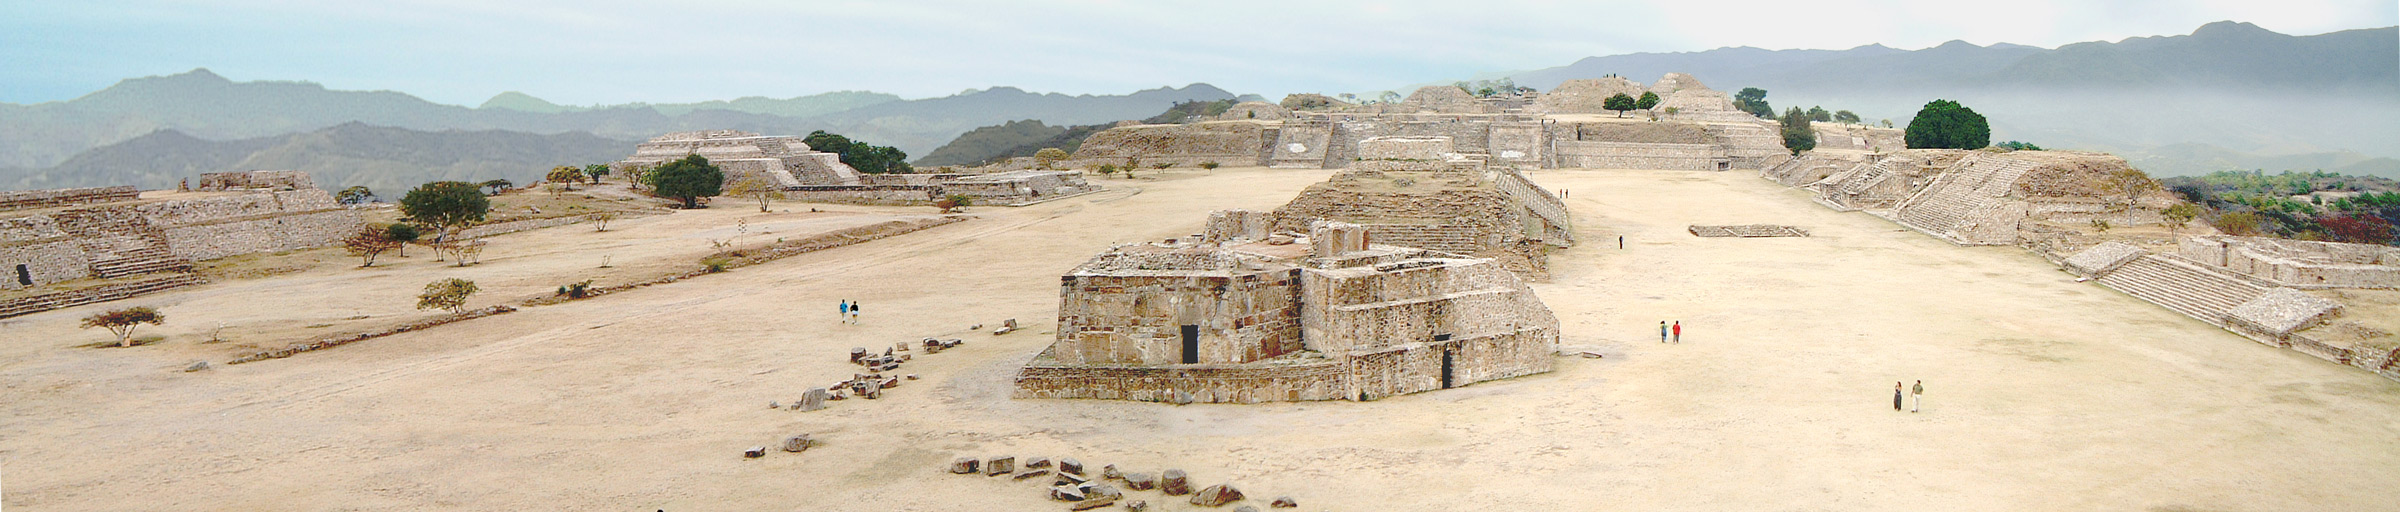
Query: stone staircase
x,y
120,245
72,298
1450,239
2183,287
1973,187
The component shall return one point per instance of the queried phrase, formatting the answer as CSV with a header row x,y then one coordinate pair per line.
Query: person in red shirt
x,y
1679,331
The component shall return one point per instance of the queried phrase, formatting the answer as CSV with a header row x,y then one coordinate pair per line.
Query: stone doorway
x,y
1191,344
24,275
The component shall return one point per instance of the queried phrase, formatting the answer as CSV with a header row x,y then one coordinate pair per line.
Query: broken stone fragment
x,y
857,354
814,399
1029,475
1070,465
755,452
1217,495
912,376
196,366
1101,490
1093,503
1069,479
1066,493
1109,472
796,444
1037,462
1284,502
1174,483
964,465
774,405
1245,508
1000,465
1140,481
1138,506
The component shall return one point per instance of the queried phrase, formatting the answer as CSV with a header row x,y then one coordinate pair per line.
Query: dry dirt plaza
x,y
2042,393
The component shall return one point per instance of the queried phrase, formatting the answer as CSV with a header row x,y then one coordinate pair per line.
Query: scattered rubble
x,y
1217,496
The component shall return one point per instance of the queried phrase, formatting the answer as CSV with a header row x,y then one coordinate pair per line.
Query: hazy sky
x,y
606,51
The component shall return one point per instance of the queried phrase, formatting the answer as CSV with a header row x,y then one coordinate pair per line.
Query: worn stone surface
x,y
1216,495
1069,465
965,465
1141,481
1000,465
812,400
1174,483
797,443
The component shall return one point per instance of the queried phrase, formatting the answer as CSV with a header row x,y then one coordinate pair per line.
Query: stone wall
x,y
1428,148
31,199
93,295
1299,380
212,240
1443,99
1229,143
865,194
2299,263
118,239
277,180
1628,155
1138,319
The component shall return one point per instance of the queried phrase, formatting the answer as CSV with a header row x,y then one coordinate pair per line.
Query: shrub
x,y
121,322
1209,165
368,243
450,294
715,263
953,202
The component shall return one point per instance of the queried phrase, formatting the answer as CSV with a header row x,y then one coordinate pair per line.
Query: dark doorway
x,y
24,275
1191,344
1449,358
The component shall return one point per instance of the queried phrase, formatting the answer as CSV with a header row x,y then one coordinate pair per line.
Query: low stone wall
x,y
829,240
30,199
2299,263
281,180
2103,258
336,340
207,241
1320,379
71,298
1630,155
514,226
866,194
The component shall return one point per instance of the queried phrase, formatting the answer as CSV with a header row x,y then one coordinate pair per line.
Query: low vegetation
x,y
450,294
866,158
2297,205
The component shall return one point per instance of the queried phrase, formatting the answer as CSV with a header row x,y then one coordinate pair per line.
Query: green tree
x,y
1845,116
1945,124
1819,114
366,244
1048,157
121,322
1754,101
864,157
2179,215
354,195
446,206
2129,184
755,185
2018,146
566,174
2238,223
953,202
1798,135
1619,103
498,186
1649,100
401,234
688,179
595,171
450,294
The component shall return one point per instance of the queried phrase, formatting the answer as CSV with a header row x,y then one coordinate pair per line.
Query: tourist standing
x,y
1919,393
1679,331
1896,396
842,312
1662,331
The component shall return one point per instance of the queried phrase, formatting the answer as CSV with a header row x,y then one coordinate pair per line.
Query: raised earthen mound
x,y
1444,99
1255,110
1585,96
1313,102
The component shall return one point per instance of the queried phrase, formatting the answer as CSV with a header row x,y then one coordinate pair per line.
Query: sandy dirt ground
x,y
2043,393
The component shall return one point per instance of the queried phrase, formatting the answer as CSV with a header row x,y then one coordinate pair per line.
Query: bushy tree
x,y
401,234
1845,116
354,195
2018,146
595,171
1619,103
1649,100
368,243
1819,114
1048,157
450,294
1754,101
953,202
121,322
756,186
565,174
498,186
1209,165
688,179
2238,223
1798,135
864,157
1945,124
2128,184
2179,215
445,205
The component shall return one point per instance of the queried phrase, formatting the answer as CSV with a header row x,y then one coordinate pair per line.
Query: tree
x,y
1945,124
864,157
498,186
688,179
2018,146
1887,123
1798,135
1209,165
368,243
565,174
636,175
354,195
1754,101
1845,116
595,171
2180,214
1649,100
953,202
401,234
1049,157
2128,183
757,186
2238,223
450,294
1819,114
1388,97
1619,103
446,206
121,322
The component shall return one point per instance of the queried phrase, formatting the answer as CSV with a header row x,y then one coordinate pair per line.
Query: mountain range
x,y
384,159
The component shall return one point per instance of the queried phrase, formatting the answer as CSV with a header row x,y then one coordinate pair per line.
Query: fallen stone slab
x,y
1245,508
1000,465
1037,462
754,452
1284,502
1065,478
813,400
1093,503
1141,481
1067,493
1217,495
964,465
1070,465
1174,483
1109,472
797,444
1138,506
1029,475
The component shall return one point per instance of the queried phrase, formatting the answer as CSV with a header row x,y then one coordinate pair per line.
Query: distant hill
x,y
206,106
2198,159
1009,140
387,160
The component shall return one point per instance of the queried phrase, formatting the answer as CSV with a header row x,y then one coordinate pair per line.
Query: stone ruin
x,y
61,236
1234,317
1541,131
1974,197
1419,192
1255,110
1747,231
2298,263
807,175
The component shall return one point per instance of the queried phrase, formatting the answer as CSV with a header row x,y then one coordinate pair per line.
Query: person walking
x,y
1895,396
1679,331
1662,331
854,312
1918,393
842,311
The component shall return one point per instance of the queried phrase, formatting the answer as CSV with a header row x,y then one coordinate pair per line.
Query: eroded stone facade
x,y
168,231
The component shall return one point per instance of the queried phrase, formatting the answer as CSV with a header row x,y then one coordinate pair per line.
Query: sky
x,y
588,52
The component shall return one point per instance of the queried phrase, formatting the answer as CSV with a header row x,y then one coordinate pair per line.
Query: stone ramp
x,y
1962,197
2184,287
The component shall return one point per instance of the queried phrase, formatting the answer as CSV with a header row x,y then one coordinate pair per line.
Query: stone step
x,y
2186,289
